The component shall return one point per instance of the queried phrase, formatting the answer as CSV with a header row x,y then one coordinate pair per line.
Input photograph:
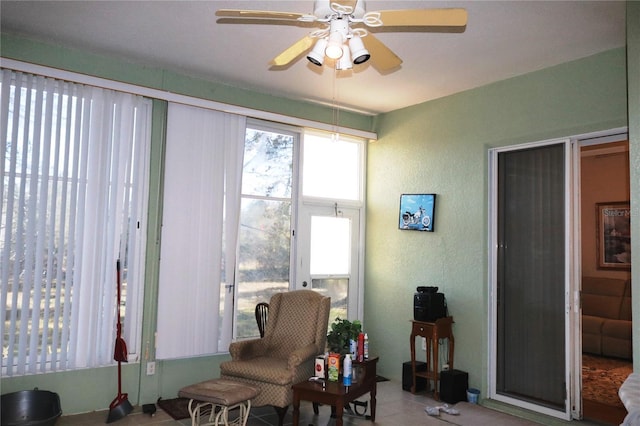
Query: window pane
x,y
268,163
337,290
265,223
263,261
331,168
330,245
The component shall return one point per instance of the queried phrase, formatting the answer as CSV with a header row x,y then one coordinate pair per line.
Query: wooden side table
x,y
336,394
432,332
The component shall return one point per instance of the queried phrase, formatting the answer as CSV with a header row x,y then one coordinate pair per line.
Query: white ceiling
x,y
502,39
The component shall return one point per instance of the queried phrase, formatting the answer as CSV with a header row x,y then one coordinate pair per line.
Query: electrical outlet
x,y
424,344
151,368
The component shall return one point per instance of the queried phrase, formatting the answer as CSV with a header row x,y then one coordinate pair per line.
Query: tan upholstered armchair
x,y
296,332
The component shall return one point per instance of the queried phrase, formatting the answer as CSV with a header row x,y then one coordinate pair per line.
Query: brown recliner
x,y
296,332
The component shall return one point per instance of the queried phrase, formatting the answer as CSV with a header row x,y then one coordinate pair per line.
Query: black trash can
x,y
30,408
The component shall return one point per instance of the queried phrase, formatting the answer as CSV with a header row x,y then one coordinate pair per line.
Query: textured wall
x,y
442,146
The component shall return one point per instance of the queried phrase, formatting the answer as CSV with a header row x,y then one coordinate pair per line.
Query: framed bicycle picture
x,y
417,212
613,235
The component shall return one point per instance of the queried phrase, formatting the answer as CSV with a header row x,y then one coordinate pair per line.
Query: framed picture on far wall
x,y
417,212
613,235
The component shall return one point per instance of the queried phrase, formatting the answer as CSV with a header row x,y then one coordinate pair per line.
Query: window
x,y
74,193
331,213
333,167
321,227
264,260
202,175
216,264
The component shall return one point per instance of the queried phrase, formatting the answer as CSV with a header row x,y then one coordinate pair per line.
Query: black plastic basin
x,y
30,408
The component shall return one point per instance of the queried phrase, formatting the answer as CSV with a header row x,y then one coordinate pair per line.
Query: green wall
x,y
442,147
40,53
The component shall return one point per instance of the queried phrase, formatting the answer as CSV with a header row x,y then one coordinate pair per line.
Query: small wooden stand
x,y
432,332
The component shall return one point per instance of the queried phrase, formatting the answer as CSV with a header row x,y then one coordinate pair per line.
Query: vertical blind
x,y
203,172
74,200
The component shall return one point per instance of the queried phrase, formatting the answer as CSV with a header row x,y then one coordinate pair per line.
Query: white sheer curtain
x,y
203,170
74,168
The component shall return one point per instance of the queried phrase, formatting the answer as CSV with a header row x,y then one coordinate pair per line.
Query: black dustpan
x,y
119,408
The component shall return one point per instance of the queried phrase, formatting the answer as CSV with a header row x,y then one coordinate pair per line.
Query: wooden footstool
x,y
211,401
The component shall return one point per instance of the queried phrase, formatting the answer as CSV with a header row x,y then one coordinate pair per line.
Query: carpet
x,y
177,408
602,377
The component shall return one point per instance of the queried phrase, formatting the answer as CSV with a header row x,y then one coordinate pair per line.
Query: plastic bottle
x,y
366,346
360,355
346,370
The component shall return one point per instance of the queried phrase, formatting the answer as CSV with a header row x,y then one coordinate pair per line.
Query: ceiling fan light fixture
x,y
340,32
344,63
316,56
334,46
359,54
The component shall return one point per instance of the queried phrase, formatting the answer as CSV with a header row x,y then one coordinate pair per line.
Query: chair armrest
x,y
246,349
301,355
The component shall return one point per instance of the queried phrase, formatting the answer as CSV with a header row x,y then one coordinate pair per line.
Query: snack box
x,y
334,367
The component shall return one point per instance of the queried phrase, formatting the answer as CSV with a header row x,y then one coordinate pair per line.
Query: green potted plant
x,y
341,332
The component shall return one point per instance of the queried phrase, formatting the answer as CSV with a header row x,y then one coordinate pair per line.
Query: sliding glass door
x,y
531,280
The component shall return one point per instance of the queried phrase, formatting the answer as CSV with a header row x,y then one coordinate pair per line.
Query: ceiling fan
x,y
342,36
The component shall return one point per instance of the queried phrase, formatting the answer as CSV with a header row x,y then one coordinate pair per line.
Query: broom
x,y
120,351
120,406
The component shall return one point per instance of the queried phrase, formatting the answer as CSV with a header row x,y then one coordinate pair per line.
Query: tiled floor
x,y
395,407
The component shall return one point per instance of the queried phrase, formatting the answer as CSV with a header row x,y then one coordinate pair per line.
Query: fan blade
x,y
423,17
279,22
261,14
346,3
293,52
382,58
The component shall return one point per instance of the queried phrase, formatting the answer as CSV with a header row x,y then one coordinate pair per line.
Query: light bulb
x,y
334,47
